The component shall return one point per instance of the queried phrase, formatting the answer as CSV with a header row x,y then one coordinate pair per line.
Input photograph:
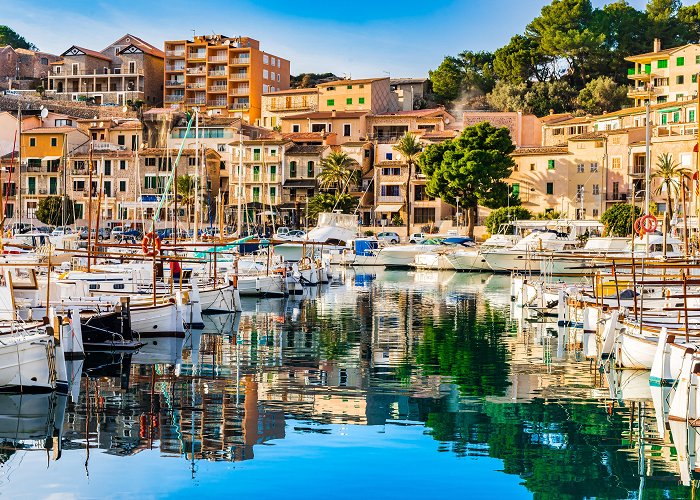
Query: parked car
x,y
61,230
131,233
117,231
44,229
416,238
104,233
20,228
389,237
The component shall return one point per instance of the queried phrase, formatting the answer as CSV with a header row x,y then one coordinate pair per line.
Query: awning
x,y
51,158
668,110
389,207
302,183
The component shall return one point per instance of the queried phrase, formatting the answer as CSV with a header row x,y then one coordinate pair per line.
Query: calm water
x,y
386,385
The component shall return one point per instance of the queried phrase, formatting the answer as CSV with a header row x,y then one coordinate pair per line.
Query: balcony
x,y
643,74
175,53
217,72
174,83
238,76
640,92
218,88
196,71
196,100
676,130
294,106
239,106
200,54
218,58
240,90
240,61
217,102
638,171
392,199
174,98
174,68
197,85
101,72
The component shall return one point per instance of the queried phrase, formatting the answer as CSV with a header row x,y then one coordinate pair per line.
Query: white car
x,y
389,236
61,230
416,238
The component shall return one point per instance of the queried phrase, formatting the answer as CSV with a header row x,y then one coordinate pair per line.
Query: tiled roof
x,y
292,91
415,112
173,152
588,136
663,52
540,151
299,149
146,49
145,46
440,134
403,81
336,83
576,120
620,131
88,52
53,130
127,126
324,115
304,136
555,118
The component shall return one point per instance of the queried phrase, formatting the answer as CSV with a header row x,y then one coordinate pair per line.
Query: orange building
x,y
226,76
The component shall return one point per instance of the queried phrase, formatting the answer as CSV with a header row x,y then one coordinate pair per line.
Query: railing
x,y
196,71
197,55
222,58
392,199
239,105
217,102
293,106
174,98
95,72
196,100
218,72
174,68
174,83
638,170
43,191
385,138
175,53
197,85
238,76
217,88
240,90
240,60
676,129
79,171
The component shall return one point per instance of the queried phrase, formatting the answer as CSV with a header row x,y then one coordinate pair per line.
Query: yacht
x,y
332,232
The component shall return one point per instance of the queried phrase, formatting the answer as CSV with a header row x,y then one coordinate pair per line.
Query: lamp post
x,y
457,198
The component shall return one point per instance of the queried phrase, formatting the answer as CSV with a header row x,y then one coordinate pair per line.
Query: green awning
x,y
669,110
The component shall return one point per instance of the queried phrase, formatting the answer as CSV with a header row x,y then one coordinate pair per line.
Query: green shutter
x,y
647,69
348,100
694,78
691,115
680,61
361,100
662,63
516,190
550,164
330,102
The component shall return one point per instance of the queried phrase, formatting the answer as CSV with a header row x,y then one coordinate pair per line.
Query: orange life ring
x,y
649,223
637,226
150,245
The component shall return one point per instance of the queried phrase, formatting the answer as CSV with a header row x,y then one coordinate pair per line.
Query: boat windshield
x,y
347,221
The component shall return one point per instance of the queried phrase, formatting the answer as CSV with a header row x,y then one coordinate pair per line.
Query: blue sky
x,y
360,38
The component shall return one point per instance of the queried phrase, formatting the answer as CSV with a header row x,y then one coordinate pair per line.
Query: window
x,y
108,188
694,78
310,169
256,194
532,167
346,130
54,142
78,186
295,127
391,171
122,186
424,215
348,100
691,115
121,140
256,154
31,185
697,59
392,190
361,100
680,61
273,194
32,142
420,194
515,190
330,89
389,156
273,173
150,162
266,59
579,192
273,152
550,164
62,122
662,64
266,74
595,212
680,79
596,189
150,182
580,168
594,166
108,167
516,168
616,163
256,173
550,188
292,169
122,164
330,102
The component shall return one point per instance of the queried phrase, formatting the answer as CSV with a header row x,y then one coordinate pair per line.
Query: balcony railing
x,y
638,170
174,98
238,76
222,58
217,102
175,53
217,88
292,107
196,71
240,90
174,68
196,100
197,85
197,55
174,83
218,72
392,199
240,60
102,72
238,105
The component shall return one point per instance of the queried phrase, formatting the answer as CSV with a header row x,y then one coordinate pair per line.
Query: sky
x,y
359,38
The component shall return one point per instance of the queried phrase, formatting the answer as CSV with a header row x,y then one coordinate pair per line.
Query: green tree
x,y
410,149
472,167
689,17
336,171
602,94
521,60
505,215
662,10
539,98
50,210
469,72
10,37
619,218
447,80
187,195
328,202
508,96
670,174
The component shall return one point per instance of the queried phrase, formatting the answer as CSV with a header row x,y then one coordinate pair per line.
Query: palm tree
x,y
670,173
336,171
410,148
187,196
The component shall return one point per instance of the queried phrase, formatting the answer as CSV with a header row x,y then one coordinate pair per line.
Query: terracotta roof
x,y
440,134
144,45
304,136
555,118
336,83
127,126
173,152
588,136
53,130
661,53
125,153
88,52
621,112
146,49
620,131
324,115
403,81
540,151
298,149
292,91
575,120
356,143
415,112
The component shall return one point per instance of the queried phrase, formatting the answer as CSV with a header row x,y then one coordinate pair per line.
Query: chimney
x,y
657,44
333,113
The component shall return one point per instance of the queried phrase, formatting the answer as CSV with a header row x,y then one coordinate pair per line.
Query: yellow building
x,y
225,75
371,94
664,74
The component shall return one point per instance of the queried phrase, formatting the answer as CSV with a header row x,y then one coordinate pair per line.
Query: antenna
x,y
44,112
125,109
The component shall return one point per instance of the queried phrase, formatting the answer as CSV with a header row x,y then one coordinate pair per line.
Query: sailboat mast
x,y
196,176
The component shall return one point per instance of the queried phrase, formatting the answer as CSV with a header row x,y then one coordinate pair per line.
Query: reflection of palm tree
x,y
670,173
336,171
410,148
187,195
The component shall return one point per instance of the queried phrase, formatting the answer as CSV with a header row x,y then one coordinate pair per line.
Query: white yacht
x,y
332,231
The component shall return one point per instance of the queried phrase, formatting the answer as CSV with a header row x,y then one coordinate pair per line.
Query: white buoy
x,y
609,333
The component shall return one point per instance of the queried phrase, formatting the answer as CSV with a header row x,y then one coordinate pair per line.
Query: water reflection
x,y
433,365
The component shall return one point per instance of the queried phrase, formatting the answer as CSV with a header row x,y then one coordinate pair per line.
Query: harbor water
x,y
382,384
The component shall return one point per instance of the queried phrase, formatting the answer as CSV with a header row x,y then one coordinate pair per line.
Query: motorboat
x,y
332,232
361,252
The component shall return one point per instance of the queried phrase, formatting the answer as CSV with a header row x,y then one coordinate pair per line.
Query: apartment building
x,y
371,94
558,129
224,75
391,126
276,105
127,70
24,69
110,134
44,153
664,75
410,93
301,166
